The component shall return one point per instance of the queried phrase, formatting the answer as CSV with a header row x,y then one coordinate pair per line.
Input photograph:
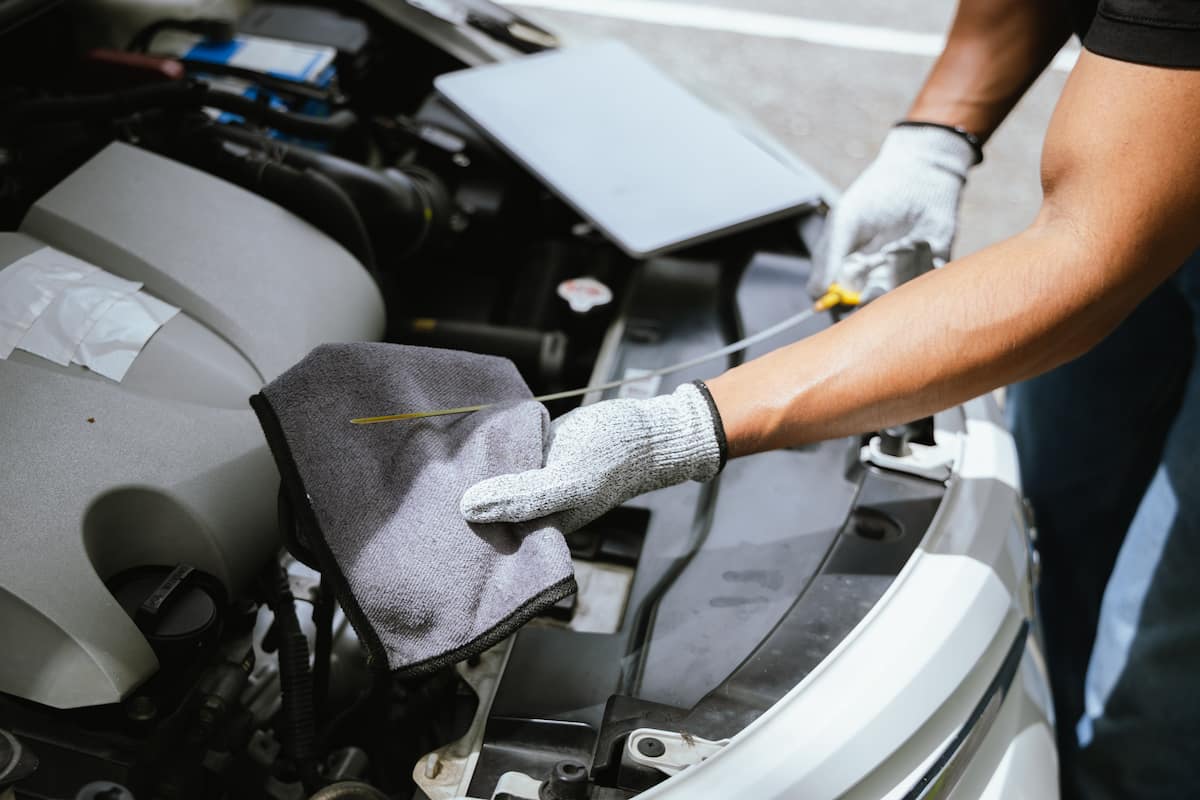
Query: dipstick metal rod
x,y
836,296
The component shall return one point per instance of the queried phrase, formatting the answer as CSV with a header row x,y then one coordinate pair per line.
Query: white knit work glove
x,y
602,454
897,220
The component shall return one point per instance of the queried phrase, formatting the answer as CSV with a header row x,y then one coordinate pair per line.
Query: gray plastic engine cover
x,y
169,465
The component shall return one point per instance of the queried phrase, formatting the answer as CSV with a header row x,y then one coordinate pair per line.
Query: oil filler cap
x,y
176,608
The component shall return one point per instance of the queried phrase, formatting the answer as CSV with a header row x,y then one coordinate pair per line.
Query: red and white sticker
x,y
584,294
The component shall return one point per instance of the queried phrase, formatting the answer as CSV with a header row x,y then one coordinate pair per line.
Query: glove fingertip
x,y
484,503
489,513
517,498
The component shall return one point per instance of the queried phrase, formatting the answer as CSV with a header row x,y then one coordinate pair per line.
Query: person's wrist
x,y
743,431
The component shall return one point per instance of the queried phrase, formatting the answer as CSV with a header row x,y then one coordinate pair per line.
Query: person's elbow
x,y
1100,267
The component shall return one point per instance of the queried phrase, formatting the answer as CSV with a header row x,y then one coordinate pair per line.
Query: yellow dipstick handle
x,y
836,296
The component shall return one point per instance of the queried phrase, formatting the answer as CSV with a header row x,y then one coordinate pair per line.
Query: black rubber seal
x,y
963,133
718,425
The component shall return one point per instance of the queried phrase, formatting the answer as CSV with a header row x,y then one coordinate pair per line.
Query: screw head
x,y
651,748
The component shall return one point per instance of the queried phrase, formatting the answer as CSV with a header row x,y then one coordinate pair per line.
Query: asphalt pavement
x,y
827,79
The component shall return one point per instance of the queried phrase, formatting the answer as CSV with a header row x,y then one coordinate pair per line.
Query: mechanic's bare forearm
x,y
994,51
930,344
1121,175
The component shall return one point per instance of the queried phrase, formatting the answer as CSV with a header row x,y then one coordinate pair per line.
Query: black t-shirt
x,y
1164,33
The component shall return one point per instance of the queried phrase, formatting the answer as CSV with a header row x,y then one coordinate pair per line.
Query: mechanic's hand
x,y
601,455
898,219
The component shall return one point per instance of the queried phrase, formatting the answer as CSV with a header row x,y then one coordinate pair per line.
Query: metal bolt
x,y
568,781
651,748
461,160
433,765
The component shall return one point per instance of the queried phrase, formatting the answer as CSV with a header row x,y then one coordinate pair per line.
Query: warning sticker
x,y
584,294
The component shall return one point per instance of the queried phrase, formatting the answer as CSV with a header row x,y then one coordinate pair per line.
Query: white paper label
x,y
66,310
28,286
72,313
299,62
120,334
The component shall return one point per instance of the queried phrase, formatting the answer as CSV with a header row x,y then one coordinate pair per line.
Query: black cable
x,y
179,94
299,732
334,126
323,610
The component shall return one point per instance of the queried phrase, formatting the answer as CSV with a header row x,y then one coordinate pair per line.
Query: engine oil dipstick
x,y
836,296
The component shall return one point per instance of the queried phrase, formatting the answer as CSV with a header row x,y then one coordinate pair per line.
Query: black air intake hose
x,y
308,194
322,203
402,211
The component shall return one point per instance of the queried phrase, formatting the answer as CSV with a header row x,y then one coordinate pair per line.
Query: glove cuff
x,y
686,437
932,144
718,425
963,133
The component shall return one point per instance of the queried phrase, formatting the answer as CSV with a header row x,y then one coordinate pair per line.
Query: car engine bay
x,y
166,634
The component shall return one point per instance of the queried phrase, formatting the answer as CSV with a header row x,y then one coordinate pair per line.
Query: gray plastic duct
x,y
169,465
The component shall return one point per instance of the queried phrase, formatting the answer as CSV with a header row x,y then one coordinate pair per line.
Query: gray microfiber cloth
x,y
379,504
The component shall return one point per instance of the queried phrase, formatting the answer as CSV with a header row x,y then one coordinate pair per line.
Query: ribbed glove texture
x,y
898,219
603,454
